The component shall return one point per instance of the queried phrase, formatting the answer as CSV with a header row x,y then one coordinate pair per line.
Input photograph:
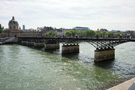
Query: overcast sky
x,y
109,14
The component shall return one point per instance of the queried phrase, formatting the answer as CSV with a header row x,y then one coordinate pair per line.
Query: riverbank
x,y
115,83
123,86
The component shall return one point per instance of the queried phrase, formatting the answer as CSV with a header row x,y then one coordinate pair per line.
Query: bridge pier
x,y
39,45
51,45
30,44
104,54
70,48
24,43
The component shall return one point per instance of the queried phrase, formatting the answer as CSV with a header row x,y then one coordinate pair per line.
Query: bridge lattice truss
x,y
106,44
97,43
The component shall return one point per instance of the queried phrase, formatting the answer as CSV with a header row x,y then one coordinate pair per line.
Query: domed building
x,y
15,31
13,25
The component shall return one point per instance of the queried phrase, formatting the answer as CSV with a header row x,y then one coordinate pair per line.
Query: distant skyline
x,y
109,14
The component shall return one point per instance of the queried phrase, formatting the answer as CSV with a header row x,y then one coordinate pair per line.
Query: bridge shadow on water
x,y
108,64
72,56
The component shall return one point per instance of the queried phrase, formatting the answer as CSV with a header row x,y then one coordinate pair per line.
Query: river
x,y
25,68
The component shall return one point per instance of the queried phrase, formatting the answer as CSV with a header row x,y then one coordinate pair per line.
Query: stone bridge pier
x,y
24,43
51,45
70,48
104,50
39,43
104,54
27,43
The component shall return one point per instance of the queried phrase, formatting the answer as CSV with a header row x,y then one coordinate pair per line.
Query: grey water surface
x,y
25,68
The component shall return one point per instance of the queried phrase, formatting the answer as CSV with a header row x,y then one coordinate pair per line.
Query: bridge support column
x,y
70,48
24,43
30,44
39,45
53,46
105,54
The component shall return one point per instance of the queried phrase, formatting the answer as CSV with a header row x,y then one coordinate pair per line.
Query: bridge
x,y
104,47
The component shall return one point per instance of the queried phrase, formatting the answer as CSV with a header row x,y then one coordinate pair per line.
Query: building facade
x,y
14,31
81,28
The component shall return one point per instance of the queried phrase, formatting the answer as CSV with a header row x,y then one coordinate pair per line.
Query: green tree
x,y
87,33
72,32
51,33
109,33
83,33
68,33
1,29
78,32
90,33
97,33
118,34
103,33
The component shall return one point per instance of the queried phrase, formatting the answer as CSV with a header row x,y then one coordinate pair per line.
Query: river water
x,y
25,68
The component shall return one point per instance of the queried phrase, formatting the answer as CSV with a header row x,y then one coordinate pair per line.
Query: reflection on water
x,y
105,64
72,56
24,68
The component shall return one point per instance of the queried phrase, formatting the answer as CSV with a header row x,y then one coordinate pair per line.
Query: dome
x,y
13,21
13,25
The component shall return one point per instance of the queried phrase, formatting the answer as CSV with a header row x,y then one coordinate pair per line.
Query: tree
x,y
84,33
103,33
72,32
78,32
90,33
117,35
51,33
1,29
110,34
68,33
97,33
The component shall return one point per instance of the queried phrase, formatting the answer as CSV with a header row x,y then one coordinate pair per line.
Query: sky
x,y
95,14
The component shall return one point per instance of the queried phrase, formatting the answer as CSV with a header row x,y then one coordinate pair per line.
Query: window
x,y
14,27
10,27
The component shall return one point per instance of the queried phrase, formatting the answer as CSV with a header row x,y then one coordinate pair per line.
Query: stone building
x,y
14,31
13,25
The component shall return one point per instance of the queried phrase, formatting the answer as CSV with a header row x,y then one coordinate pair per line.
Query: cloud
x,y
69,13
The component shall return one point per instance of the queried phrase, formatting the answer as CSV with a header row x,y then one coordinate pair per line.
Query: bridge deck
x,y
77,38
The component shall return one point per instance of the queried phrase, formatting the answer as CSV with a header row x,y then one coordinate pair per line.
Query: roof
x,y
13,21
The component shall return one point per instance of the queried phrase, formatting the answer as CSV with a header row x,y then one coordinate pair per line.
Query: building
x,y
103,30
130,33
61,32
116,31
13,25
23,27
14,31
45,28
81,28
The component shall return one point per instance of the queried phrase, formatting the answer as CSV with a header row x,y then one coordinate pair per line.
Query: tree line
x,y
89,33
1,29
92,33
